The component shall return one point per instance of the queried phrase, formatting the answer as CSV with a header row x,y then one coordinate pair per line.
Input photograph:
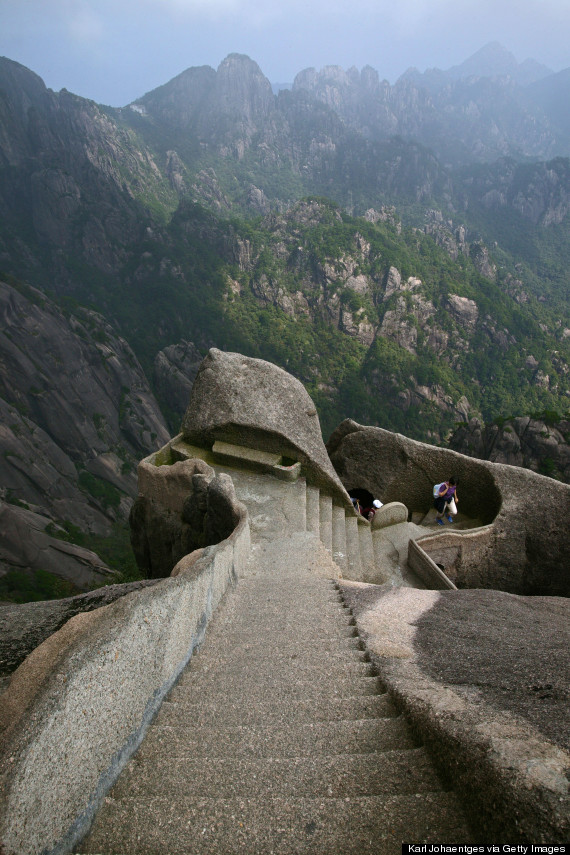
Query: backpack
x,y
436,489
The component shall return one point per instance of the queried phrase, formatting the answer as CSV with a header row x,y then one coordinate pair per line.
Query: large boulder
x,y
520,541
252,403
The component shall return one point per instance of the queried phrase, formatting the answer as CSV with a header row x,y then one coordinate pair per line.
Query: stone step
x,y
339,537
344,775
263,646
313,510
290,614
277,625
271,503
317,638
292,608
278,685
366,553
295,667
291,658
229,713
318,685
354,568
325,521
296,739
366,825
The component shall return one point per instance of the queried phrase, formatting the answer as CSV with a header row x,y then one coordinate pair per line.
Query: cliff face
x,y
532,443
488,107
72,182
77,414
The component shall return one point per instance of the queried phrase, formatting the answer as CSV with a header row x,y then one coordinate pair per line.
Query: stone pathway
x,y
278,737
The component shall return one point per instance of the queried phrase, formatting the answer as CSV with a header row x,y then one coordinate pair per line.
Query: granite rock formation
x,y
181,508
23,627
254,403
76,415
175,369
29,542
521,545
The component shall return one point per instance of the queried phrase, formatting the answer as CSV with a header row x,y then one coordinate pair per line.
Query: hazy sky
x,y
116,50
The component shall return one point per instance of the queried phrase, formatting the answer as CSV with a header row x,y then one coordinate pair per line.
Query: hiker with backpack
x,y
444,500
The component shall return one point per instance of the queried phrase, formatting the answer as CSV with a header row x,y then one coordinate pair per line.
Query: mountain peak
x,y
494,60
491,60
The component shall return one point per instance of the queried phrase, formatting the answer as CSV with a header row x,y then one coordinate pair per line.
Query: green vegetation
x,y
101,490
114,549
26,586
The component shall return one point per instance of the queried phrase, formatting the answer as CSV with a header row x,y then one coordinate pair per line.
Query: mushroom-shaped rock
x,y
252,403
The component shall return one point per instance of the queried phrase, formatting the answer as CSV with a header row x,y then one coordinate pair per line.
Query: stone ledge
x,y
257,460
428,571
391,513
511,778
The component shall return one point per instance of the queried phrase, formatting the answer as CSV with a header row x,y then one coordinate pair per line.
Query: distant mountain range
x,y
402,249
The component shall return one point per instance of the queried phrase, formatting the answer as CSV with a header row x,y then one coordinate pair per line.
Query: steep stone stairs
x,y
361,553
279,738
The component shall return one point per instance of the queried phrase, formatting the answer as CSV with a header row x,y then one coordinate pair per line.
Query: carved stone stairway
x,y
279,738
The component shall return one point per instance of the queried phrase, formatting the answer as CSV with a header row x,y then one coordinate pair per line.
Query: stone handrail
x,y
462,554
78,707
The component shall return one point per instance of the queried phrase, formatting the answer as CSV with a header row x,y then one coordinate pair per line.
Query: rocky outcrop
x,y
524,441
181,507
84,403
175,370
24,627
29,542
461,116
225,105
253,403
77,176
522,545
539,193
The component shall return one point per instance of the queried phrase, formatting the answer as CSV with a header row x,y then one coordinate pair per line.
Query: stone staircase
x,y
361,553
279,737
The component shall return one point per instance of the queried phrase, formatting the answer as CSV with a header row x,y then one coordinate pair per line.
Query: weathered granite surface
x,y
78,706
523,441
510,651
23,627
174,371
253,403
484,677
522,546
181,507
25,544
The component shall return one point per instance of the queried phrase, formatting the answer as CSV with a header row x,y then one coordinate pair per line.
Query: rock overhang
x,y
249,402
521,546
